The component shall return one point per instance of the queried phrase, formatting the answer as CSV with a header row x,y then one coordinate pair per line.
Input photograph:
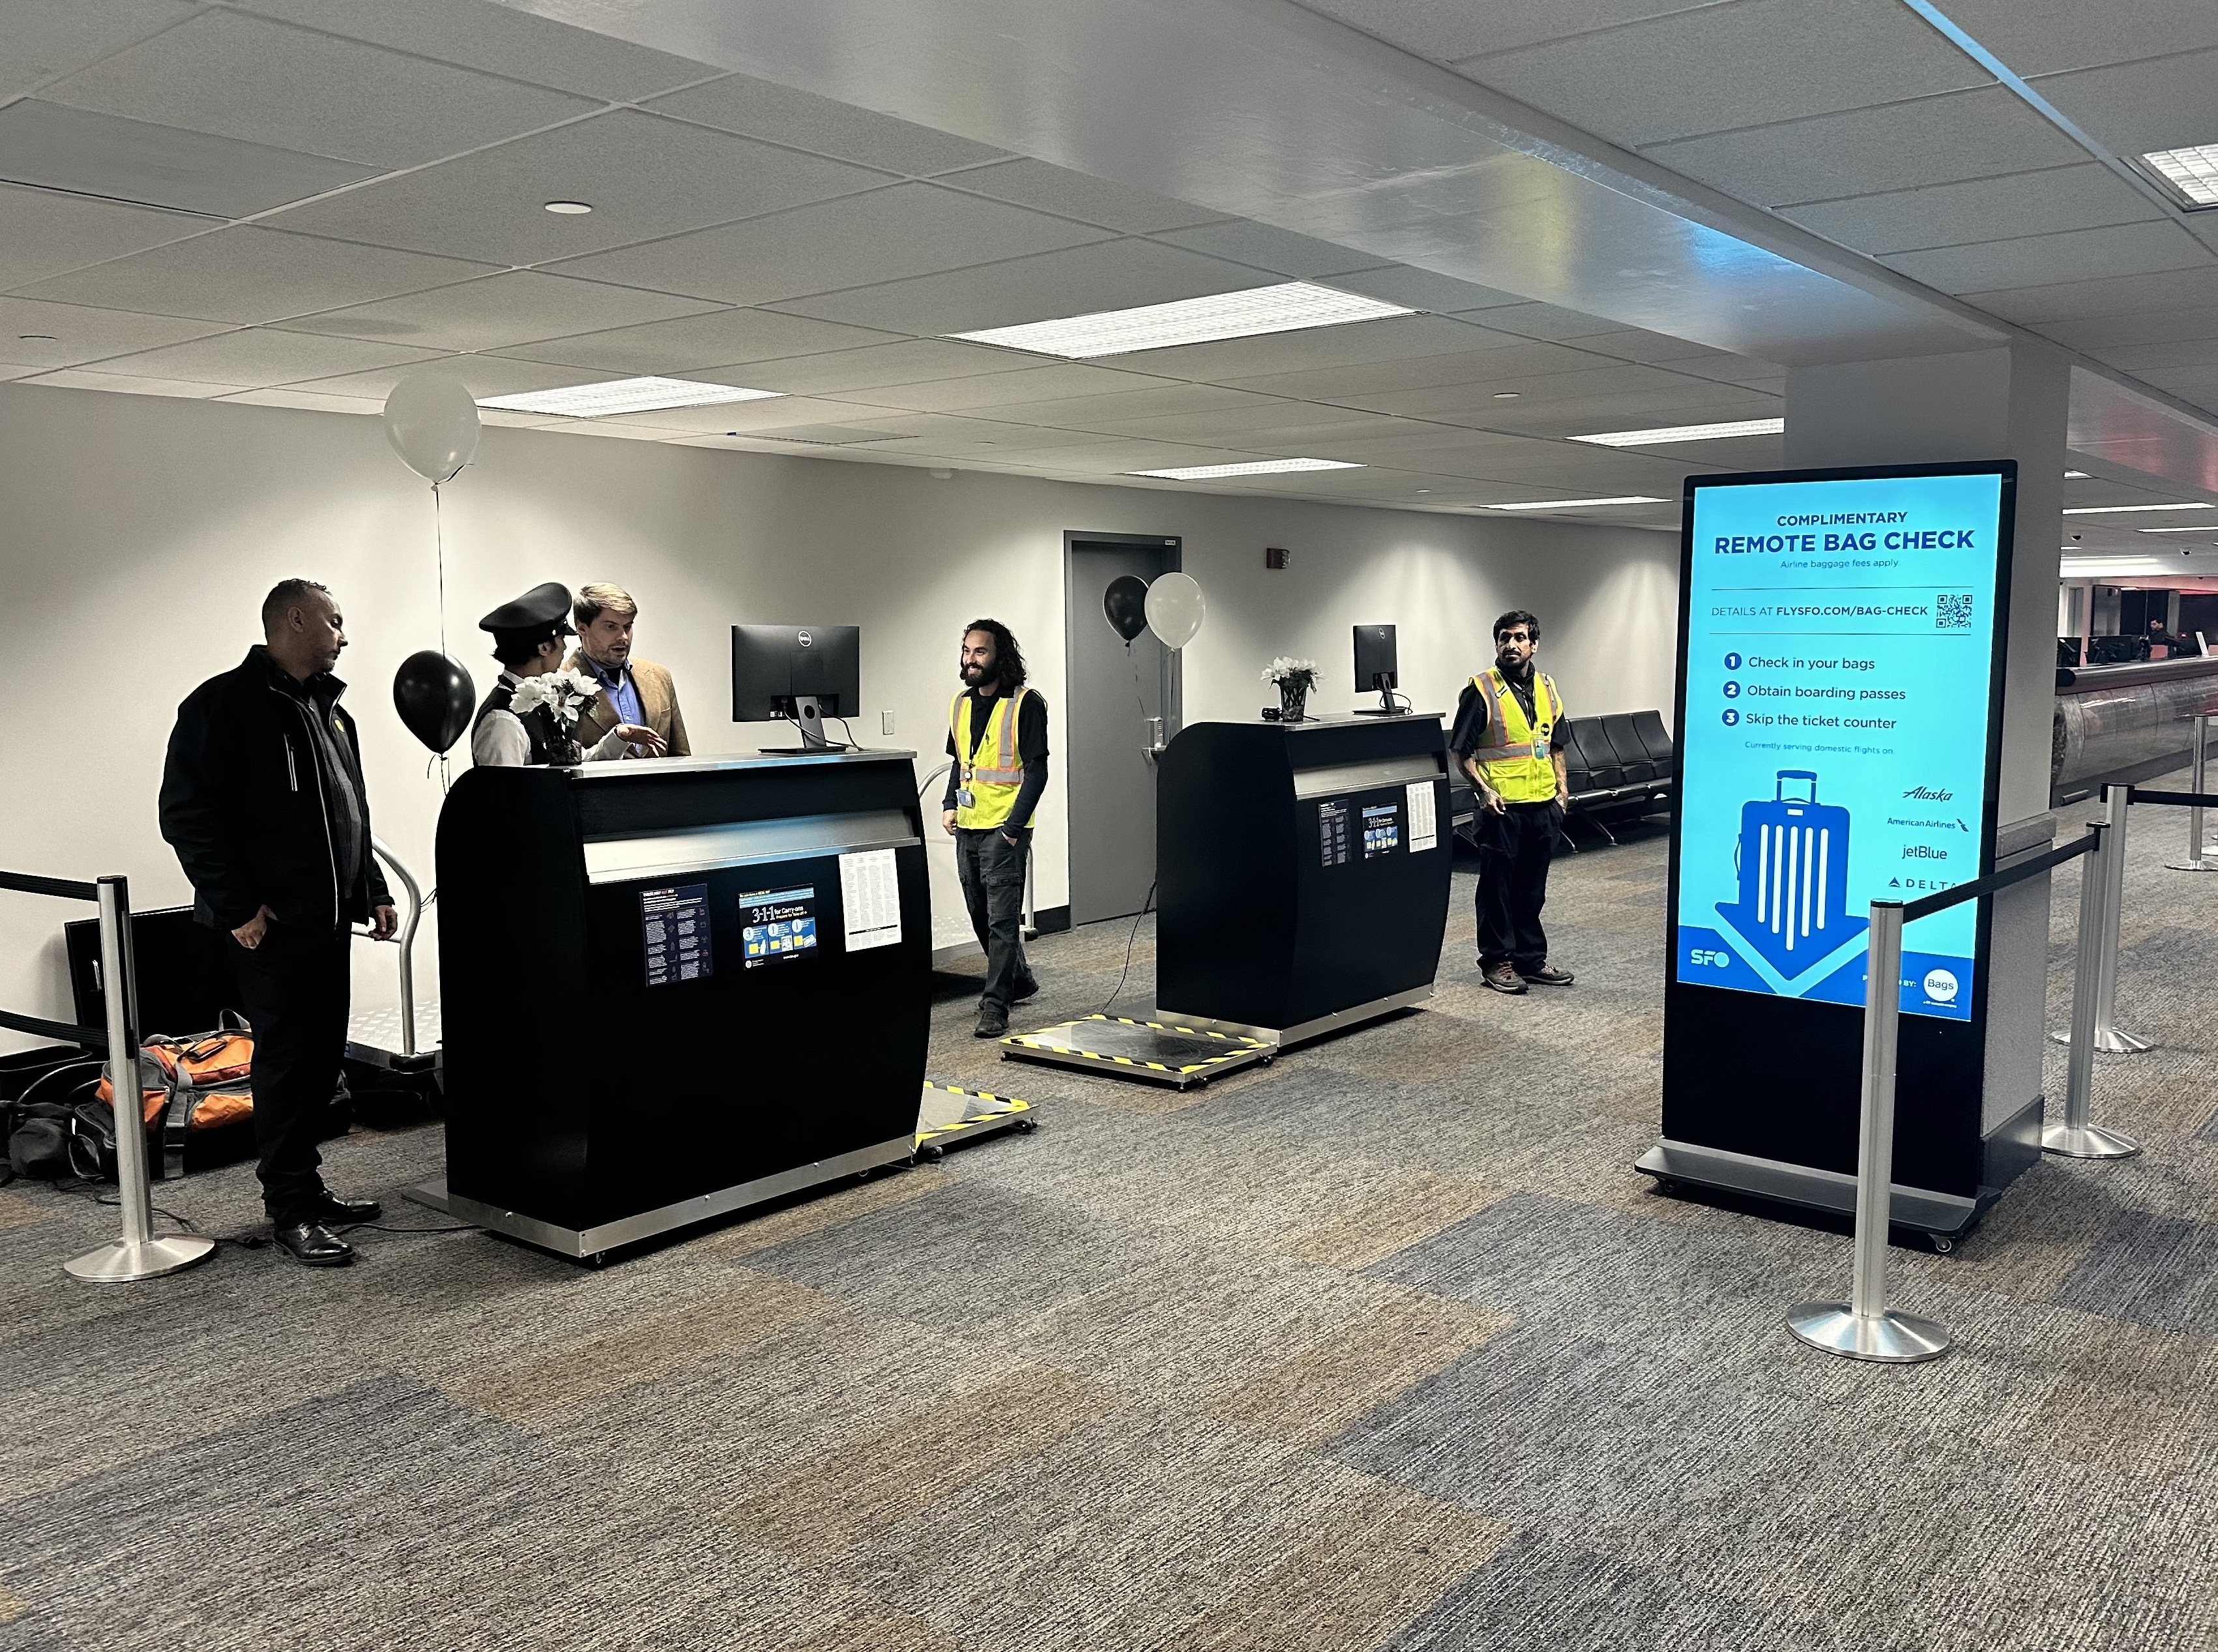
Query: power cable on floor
x,y
1129,940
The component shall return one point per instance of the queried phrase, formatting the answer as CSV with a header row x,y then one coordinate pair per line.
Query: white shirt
x,y
501,742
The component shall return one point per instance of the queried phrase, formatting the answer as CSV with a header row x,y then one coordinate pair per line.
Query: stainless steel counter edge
x,y
602,771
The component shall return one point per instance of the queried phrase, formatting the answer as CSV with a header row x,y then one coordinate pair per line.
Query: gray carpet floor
x,y
1383,1346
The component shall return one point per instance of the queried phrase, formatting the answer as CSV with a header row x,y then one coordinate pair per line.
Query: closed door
x,y
1113,689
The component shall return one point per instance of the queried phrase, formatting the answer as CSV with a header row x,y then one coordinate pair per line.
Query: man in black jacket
x,y
263,799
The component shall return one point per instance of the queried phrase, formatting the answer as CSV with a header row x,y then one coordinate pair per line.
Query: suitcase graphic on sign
x,y
1793,858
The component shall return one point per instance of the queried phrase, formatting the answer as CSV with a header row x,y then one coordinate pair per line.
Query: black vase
x,y
1293,700
564,752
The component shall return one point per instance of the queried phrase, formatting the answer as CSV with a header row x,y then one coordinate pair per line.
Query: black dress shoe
x,y
993,1022
335,1212
313,1245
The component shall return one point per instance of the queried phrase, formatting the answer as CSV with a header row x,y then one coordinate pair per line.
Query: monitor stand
x,y
1385,707
809,717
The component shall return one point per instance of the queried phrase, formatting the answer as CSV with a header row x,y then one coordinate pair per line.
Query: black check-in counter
x,y
1304,872
676,988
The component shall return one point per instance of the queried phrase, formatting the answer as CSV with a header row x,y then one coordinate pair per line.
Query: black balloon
x,y
435,697
1126,602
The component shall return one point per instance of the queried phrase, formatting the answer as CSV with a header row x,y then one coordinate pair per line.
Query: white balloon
x,y
431,420
1176,609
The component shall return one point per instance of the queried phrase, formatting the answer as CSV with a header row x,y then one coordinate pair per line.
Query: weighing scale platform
x,y
954,1118
374,1039
1152,1052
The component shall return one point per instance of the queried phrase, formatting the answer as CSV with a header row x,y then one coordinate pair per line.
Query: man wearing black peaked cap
x,y
527,639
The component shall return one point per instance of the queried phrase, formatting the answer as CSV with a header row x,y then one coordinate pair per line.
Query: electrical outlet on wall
x,y
885,722
1276,556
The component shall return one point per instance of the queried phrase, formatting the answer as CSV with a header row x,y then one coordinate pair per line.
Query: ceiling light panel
x,y
1254,467
1658,438
2130,510
615,396
1291,306
2191,172
1573,504
2198,527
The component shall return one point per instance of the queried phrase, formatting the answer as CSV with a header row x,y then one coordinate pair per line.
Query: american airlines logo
x,y
1927,795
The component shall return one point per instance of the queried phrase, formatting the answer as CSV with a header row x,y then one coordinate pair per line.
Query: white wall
x,y
140,533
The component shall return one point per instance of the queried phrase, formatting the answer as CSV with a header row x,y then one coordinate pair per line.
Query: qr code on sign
x,y
1952,613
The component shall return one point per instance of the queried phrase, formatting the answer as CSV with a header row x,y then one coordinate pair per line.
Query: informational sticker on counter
x,y
674,925
869,895
1382,828
1332,832
1424,822
778,926
1842,640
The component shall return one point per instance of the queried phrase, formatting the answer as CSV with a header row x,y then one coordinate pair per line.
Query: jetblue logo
x,y
1924,851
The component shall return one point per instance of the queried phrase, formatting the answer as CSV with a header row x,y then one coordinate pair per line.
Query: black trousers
x,y
295,986
1514,851
992,869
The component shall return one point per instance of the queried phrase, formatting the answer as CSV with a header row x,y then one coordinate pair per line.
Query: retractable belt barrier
x,y
1864,1328
139,1253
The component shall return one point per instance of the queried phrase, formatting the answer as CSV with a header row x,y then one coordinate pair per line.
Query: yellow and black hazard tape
x,y
1034,1041
1005,1108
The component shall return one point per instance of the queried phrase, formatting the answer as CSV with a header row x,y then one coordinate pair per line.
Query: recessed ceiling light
x,y
1288,307
1685,433
2198,527
2129,510
569,208
37,338
2075,475
1508,395
2192,172
1569,504
1254,467
614,396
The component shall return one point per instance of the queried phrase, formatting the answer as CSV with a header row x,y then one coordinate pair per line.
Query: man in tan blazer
x,y
632,690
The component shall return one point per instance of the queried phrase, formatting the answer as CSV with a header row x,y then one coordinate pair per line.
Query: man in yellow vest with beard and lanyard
x,y
1509,735
997,734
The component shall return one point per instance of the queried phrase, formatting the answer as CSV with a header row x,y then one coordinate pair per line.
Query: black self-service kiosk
x,y
676,988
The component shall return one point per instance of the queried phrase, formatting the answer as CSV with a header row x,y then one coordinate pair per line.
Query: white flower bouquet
x,y
565,694
1298,673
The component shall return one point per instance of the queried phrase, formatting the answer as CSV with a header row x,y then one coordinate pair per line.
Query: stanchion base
x,y
2192,866
120,1261
2086,1141
1890,1338
2114,1043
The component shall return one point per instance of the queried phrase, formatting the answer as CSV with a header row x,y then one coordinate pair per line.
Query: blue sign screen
x,y
1841,638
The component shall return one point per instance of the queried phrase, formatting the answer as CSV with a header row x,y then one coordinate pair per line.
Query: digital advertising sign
x,y
1838,720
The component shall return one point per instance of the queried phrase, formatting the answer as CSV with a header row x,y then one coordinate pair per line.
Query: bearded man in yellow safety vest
x,y
997,734
1509,735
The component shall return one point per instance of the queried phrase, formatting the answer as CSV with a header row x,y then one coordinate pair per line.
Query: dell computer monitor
x,y
801,673
1375,666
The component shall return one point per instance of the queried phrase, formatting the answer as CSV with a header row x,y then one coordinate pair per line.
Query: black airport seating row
x,y
1618,765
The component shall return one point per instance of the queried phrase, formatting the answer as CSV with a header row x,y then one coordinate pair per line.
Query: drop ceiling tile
x,y
2120,296
56,147
643,176
258,357
1546,321
719,338
2101,334
501,40
2039,37
2047,260
754,416
911,229
1422,289
1505,356
1076,195
44,233
1106,275
499,311
2047,202
1633,345
484,375
915,361
1445,30
38,43
2190,353
243,274
1899,146
1391,339
1280,251
1730,66
130,384
1090,412
81,335
1035,384
2133,108
312,92
307,400
781,114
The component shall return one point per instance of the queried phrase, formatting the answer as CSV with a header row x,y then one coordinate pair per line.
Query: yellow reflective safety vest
x,y
1514,756
988,764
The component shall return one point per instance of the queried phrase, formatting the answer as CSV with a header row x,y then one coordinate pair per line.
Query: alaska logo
x,y
1927,795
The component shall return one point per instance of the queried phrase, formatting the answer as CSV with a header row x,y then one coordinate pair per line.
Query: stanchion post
x,y
139,1254
2078,1137
2195,862
2109,1036
1863,1327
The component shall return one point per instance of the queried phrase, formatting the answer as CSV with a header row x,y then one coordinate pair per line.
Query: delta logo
x,y
1928,795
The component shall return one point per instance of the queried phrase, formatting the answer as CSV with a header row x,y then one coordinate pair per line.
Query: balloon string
x,y
439,556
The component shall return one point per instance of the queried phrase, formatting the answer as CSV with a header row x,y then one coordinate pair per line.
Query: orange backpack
x,y
188,1084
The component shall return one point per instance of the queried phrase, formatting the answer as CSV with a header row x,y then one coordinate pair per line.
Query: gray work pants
x,y
992,869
